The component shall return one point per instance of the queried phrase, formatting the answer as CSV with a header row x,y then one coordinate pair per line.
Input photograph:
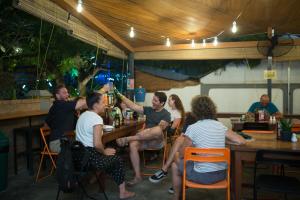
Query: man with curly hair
x,y
207,132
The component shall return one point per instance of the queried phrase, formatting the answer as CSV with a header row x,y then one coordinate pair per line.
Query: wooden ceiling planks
x,y
183,20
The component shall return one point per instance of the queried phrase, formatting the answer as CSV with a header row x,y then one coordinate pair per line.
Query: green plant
x,y
286,125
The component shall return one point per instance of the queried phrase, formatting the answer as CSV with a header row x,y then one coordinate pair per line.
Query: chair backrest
x,y
277,157
45,131
207,155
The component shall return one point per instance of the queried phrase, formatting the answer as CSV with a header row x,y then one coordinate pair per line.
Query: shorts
x,y
152,144
202,178
54,146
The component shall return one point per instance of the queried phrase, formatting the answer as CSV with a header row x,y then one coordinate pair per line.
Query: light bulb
x,y
216,41
193,44
168,43
79,6
131,33
234,28
204,42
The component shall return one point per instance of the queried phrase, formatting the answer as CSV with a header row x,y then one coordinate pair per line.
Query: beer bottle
x,y
117,121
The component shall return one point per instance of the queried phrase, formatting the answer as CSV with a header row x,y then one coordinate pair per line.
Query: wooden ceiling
x,y
183,20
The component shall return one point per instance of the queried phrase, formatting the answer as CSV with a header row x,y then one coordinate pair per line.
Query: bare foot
x,y
127,195
122,141
134,181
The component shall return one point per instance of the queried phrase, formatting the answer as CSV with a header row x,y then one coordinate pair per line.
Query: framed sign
x,y
270,74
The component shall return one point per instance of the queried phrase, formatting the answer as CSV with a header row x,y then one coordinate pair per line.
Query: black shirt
x,y
61,118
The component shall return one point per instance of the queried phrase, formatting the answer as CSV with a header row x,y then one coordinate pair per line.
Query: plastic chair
x,y
45,132
276,183
164,158
211,155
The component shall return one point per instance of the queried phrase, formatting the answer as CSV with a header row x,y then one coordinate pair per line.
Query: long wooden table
x,y
125,130
248,151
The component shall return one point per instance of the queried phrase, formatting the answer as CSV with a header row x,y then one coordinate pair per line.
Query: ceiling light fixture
x,y
204,42
193,44
131,33
215,41
168,43
234,28
79,6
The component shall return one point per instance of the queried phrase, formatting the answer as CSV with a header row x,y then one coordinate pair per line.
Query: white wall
x,y
296,104
239,100
185,94
243,74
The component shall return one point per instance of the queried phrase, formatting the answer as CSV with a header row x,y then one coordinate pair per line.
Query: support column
x,y
130,76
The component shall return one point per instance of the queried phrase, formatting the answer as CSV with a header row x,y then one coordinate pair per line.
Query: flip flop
x,y
128,197
122,142
134,182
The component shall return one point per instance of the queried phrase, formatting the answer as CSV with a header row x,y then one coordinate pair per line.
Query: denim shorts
x,y
202,178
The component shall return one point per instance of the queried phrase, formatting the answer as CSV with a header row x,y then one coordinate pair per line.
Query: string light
x,y
215,41
193,44
131,33
79,6
168,43
204,42
234,28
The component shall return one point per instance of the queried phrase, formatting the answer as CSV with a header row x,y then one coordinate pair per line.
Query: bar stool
x,y
25,132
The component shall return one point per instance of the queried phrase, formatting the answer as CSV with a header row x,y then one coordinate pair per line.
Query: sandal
x,y
134,182
122,142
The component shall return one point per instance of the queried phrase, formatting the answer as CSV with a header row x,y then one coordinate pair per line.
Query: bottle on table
x,y
117,121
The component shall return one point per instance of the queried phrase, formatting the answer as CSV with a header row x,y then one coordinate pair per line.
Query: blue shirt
x,y
270,107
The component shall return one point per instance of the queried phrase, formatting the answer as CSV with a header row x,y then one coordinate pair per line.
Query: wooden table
x,y
29,115
247,152
125,130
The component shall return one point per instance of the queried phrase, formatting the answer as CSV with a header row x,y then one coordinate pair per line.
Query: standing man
x,y
157,119
62,115
265,104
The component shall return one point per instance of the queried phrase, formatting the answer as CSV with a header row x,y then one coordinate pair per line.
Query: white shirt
x,y
175,114
85,126
207,133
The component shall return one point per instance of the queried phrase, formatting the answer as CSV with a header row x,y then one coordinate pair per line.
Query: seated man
x,y
207,132
157,119
265,104
62,115
89,133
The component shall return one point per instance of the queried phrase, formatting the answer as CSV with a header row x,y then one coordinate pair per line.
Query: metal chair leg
x,y
58,192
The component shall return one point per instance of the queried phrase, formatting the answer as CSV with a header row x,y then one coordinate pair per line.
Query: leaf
x,y
2,48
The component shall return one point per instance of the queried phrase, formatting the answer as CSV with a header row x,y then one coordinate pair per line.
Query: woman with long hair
x,y
177,113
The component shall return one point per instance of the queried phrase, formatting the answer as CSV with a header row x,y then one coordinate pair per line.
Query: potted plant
x,y
286,129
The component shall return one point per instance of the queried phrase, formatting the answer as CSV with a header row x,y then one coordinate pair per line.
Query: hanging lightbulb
x,y
79,6
215,41
234,28
193,44
204,42
168,43
131,33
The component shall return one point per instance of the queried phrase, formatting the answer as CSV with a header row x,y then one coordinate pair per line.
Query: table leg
x,y
29,149
237,175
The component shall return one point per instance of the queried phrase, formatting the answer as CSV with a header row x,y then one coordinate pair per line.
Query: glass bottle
x,y
117,121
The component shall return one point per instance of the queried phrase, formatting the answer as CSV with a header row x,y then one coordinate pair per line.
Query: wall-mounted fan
x,y
276,46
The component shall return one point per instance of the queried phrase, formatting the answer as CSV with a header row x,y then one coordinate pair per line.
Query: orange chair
x,y
211,155
164,158
46,152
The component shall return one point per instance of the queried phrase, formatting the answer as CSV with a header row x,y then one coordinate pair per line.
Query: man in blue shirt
x,y
265,104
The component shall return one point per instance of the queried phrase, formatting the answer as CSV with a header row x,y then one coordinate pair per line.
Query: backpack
x,y
65,171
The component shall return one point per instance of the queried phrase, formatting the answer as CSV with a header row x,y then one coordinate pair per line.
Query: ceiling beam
x,y
90,20
226,50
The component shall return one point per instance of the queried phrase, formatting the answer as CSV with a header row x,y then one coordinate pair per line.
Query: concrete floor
x,y
22,187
